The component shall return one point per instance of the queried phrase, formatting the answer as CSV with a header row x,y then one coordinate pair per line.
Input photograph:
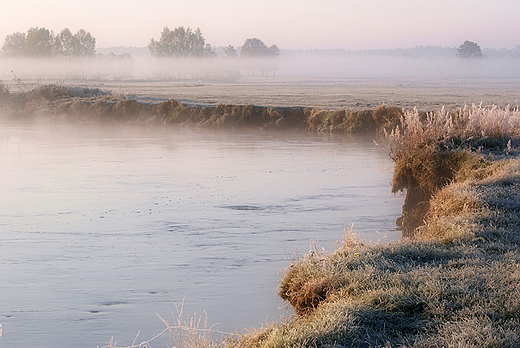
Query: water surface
x,y
102,228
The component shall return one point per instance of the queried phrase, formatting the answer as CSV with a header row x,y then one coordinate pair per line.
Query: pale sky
x,y
347,24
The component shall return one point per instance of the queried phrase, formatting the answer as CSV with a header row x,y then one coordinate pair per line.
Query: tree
x,y
274,51
469,50
84,44
40,42
230,52
14,45
64,43
256,48
180,43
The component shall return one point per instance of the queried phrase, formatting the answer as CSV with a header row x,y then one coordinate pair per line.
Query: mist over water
x,y
104,228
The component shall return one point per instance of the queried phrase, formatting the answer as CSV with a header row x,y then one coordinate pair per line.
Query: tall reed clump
x,y
430,150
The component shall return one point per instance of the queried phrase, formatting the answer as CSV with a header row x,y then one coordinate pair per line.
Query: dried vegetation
x,y
56,102
433,149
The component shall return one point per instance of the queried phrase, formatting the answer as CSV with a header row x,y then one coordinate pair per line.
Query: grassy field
x,y
352,94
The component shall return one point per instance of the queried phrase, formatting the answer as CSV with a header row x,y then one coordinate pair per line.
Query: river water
x,y
101,229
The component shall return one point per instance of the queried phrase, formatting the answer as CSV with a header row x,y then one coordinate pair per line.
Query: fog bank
x,y
295,65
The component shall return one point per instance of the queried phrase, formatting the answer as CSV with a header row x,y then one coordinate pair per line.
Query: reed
x,y
430,150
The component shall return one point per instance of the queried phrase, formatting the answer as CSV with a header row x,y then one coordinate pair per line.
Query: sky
x,y
290,24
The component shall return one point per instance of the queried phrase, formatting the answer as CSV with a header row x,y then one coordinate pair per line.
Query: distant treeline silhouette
x,y
40,42
187,43
178,43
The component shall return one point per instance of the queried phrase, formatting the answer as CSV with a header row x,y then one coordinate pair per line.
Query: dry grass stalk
x,y
190,333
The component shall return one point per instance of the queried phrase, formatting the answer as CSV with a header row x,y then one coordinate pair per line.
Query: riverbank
x,y
92,105
454,282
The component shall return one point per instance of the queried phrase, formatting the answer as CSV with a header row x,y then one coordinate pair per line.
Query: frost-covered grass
x,y
432,149
468,127
183,331
456,283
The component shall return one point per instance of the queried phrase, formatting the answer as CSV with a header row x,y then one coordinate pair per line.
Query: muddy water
x,y
103,228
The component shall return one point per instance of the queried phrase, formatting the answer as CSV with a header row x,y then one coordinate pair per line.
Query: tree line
x,y
187,43
178,43
41,42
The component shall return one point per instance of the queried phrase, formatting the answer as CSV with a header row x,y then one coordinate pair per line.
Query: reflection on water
x,y
103,228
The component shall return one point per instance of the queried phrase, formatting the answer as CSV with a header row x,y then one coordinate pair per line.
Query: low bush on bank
x,y
4,91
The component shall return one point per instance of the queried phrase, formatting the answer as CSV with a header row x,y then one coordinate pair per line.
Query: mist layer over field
x,y
324,65
321,79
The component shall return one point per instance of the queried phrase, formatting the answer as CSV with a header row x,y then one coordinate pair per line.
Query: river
x,y
103,228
